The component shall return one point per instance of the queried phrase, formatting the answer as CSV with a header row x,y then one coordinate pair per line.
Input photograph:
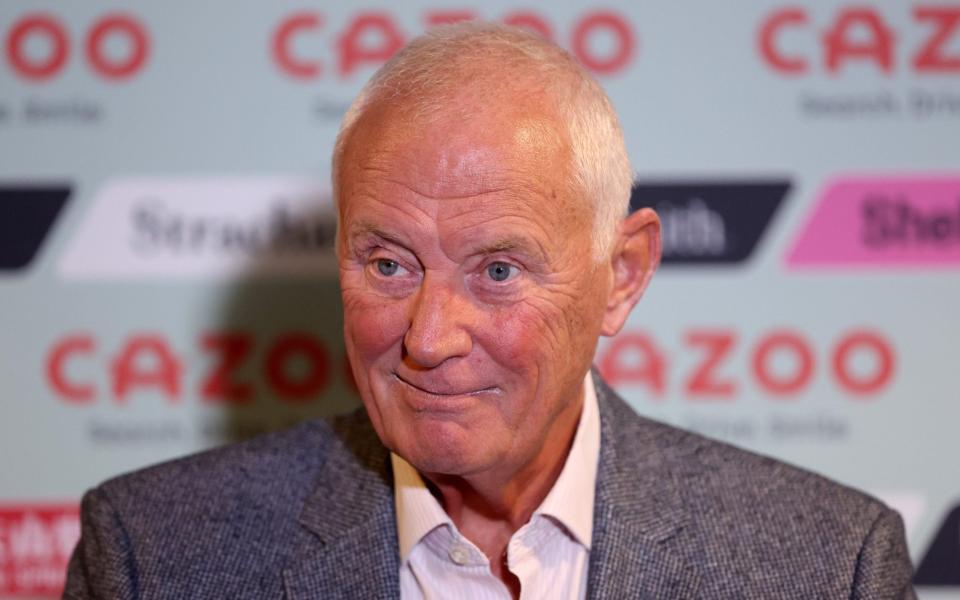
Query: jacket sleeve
x,y
883,566
102,564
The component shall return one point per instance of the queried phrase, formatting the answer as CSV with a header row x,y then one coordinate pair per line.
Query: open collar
x,y
641,539
566,502
419,513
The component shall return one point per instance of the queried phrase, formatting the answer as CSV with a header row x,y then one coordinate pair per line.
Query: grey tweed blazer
x,y
308,513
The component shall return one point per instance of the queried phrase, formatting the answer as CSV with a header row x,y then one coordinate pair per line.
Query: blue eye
x,y
387,267
500,271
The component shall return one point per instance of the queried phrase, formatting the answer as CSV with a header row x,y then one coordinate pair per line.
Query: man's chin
x,y
443,466
443,457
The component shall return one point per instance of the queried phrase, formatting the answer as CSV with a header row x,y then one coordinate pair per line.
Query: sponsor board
x,y
780,363
237,366
711,222
31,32
847,60
183,228
716,367
602,40
859,35
785,95
882,222
109,49
27,213
35,545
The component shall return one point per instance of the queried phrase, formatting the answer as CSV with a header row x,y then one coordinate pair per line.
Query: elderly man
x,y
482,182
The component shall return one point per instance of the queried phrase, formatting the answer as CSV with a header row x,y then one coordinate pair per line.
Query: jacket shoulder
x,y
223,522
732,478
282,462
759,527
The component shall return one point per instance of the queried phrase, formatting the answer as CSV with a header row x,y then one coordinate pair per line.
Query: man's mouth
x,y
444,390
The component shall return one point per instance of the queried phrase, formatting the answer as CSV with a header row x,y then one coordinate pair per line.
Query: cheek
x,y
525,336
549,333
372,325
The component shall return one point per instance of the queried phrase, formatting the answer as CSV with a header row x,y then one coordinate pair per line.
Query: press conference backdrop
x,y
167,280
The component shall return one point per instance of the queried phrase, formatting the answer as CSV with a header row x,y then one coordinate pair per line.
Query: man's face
x,y
472,303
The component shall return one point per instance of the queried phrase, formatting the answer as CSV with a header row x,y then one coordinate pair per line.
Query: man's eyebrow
x,y
510,244
366,229
503,245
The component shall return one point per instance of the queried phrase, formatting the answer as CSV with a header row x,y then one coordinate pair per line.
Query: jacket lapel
x,y
641,545
348,548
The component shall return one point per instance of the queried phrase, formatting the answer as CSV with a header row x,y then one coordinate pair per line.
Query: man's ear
x,y
635,258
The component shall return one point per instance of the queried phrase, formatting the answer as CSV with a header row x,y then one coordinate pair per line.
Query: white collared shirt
x,y
549,555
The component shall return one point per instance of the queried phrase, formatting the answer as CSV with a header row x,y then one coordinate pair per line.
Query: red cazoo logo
x,y
370,38
862,34
637,358
294,366
46,29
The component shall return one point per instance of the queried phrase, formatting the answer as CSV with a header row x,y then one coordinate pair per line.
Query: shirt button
x,y
460,555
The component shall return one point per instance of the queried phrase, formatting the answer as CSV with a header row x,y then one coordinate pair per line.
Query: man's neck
x,y
488,508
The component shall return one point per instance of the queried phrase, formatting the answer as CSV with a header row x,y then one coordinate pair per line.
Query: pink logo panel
x,y
883,222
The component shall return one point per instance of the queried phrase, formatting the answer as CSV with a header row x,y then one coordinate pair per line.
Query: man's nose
x,y
437,330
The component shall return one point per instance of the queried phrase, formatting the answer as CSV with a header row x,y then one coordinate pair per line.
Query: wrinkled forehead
x,y
488,177
461,146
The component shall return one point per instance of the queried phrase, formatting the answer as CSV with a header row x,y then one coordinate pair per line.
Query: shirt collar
x,y
570,500
419,513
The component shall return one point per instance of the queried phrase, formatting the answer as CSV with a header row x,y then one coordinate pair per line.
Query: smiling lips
x,y
441,391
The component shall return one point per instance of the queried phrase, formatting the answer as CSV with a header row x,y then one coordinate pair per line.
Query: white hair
x,y
423,76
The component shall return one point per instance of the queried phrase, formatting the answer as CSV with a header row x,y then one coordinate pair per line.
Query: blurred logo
x,y
27,212
883,222
790,42
600,39
780,363
35,545
202,227
38,46
708,222
293,366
